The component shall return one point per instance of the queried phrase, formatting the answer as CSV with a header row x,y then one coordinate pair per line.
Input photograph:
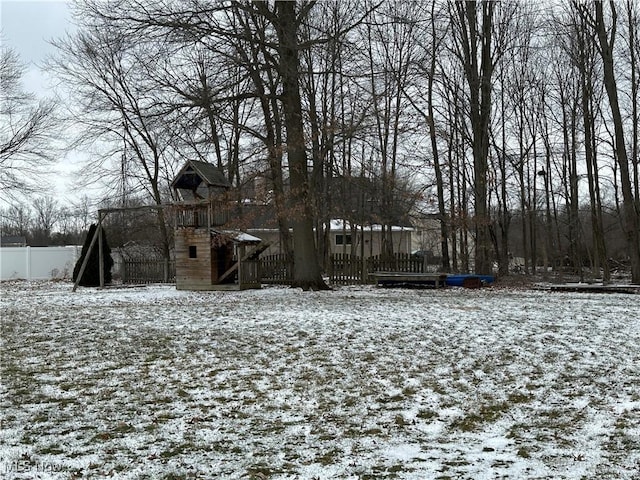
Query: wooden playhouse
x,y
208,255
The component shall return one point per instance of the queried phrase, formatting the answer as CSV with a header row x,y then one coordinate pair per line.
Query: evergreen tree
x,y
91,275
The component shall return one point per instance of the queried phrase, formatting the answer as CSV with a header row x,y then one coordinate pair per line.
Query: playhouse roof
x,y
237,236
195,172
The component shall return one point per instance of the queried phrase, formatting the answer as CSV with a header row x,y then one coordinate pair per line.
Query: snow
x,y
359,382
339,224
241,237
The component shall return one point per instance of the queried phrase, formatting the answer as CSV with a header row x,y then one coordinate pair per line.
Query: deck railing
x,y
202,214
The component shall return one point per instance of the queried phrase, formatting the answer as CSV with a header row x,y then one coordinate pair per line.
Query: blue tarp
x,y
457,280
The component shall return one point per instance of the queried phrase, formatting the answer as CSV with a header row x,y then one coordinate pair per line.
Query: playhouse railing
x,y
202,214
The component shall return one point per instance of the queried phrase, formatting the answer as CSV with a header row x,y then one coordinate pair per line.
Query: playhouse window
x,y
343,239
193,251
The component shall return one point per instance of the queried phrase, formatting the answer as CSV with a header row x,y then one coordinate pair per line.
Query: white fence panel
x,y
38,263
14,262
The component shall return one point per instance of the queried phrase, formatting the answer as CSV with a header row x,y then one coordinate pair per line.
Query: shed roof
x,y
237,236
195,172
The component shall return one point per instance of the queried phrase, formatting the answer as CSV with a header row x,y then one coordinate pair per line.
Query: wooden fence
x,y
344,269
348,269
276,269
139,271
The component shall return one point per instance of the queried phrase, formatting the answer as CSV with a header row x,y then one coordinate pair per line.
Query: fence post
x,y
100,255
365,268
165,270
28,262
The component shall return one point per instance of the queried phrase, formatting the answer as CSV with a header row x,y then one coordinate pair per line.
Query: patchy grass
x,y
355,383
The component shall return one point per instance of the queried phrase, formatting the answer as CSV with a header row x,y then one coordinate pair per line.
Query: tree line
x,y
44,221
507,120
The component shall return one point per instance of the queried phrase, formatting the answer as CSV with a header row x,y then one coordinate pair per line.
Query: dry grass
x,y
354,383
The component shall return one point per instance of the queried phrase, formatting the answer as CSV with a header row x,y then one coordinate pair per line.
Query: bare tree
x,y
16,219
523,100
27,131
474,38
606,35
432,24
584,60
456,135
633,27
254,57
116,106
391,47
46,215
286,22
331,101
435,39
501,169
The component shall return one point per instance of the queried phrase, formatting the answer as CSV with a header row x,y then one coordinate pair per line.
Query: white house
x,y
366,240
345,237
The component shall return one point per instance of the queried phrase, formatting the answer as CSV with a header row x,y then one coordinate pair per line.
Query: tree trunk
x,y
306,271
631,222
478,67
584,60
265,85
550,252
442,209
634,46
504,215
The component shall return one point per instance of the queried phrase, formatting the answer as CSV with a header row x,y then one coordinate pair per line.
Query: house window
x,y
343,239
193,251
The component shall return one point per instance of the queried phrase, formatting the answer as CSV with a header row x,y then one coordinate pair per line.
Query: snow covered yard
x,y
361,382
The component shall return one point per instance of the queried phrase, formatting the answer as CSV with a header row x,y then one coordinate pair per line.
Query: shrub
x,y
91,275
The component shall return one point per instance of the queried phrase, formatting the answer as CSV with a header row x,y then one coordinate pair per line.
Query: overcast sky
x,y
27,27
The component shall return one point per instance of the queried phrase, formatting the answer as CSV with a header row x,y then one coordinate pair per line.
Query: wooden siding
x,y
193,273
206,270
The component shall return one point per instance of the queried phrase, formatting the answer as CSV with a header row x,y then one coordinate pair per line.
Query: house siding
x,y
369,245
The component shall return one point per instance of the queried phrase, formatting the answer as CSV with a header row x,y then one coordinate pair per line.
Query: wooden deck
x,y
401,279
